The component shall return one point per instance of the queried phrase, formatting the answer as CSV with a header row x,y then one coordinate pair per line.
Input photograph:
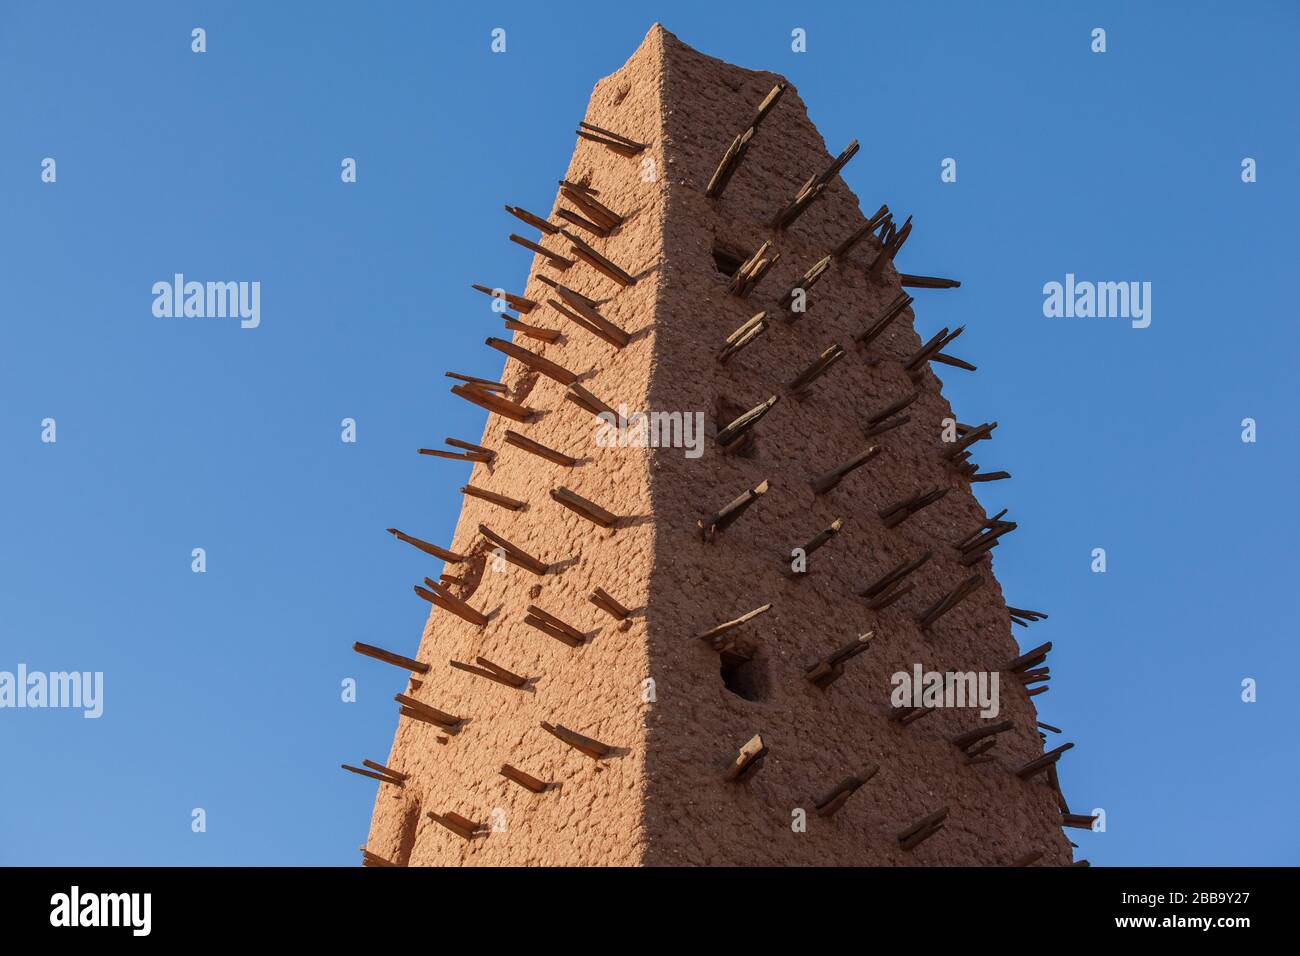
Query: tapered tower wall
x,y
646,687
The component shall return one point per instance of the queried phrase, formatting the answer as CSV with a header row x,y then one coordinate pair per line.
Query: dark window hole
x,y
743,674
727,261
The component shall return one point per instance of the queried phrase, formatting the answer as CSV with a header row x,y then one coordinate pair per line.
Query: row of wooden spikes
x,y
807,194
974,744
582,311
892,237
491,400
825,671
752,270
751,756
746,764
760,262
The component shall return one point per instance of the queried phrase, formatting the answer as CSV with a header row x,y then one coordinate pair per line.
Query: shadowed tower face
x,y
579,698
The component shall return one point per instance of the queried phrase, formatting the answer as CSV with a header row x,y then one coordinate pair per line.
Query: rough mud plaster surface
x,y
816,737
593,816
662,799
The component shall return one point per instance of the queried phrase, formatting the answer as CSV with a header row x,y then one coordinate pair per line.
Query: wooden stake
x,y
537,448
752,270
451,557
981,542
602,600
580,187
822,537
931,348
814,188
594,210
621,144
1031,658
388,657
926,282
805,283
584,507
738,339
537,222
987,523
899,512
709,527
590,317
910,715
829,805
493,403
486,453
464,828
452,455
510,504
740,145
950,601
514,554
1025,618
922,829
892,311
532,331
886,598
964,741
372,859
829,669
714,633
745,422
587,401
471,453
952,360
1038,765
1080,821
551,631
394,779
877,417
592,748
554,258
439,596
516,302
880,429
893,242
889,580
569,216
554,626
395,774
583,323
831,479
1029,858
587,254
748,761
867,228
979,752
525,780
973,435
816,370
443,719
491,671
534,361
486,383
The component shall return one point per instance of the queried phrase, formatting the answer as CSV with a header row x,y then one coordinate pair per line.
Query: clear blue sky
x,y
223,689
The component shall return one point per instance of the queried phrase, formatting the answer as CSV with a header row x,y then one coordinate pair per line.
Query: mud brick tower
x,y
624,663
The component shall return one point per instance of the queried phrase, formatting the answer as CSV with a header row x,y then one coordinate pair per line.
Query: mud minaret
x,y
639,657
